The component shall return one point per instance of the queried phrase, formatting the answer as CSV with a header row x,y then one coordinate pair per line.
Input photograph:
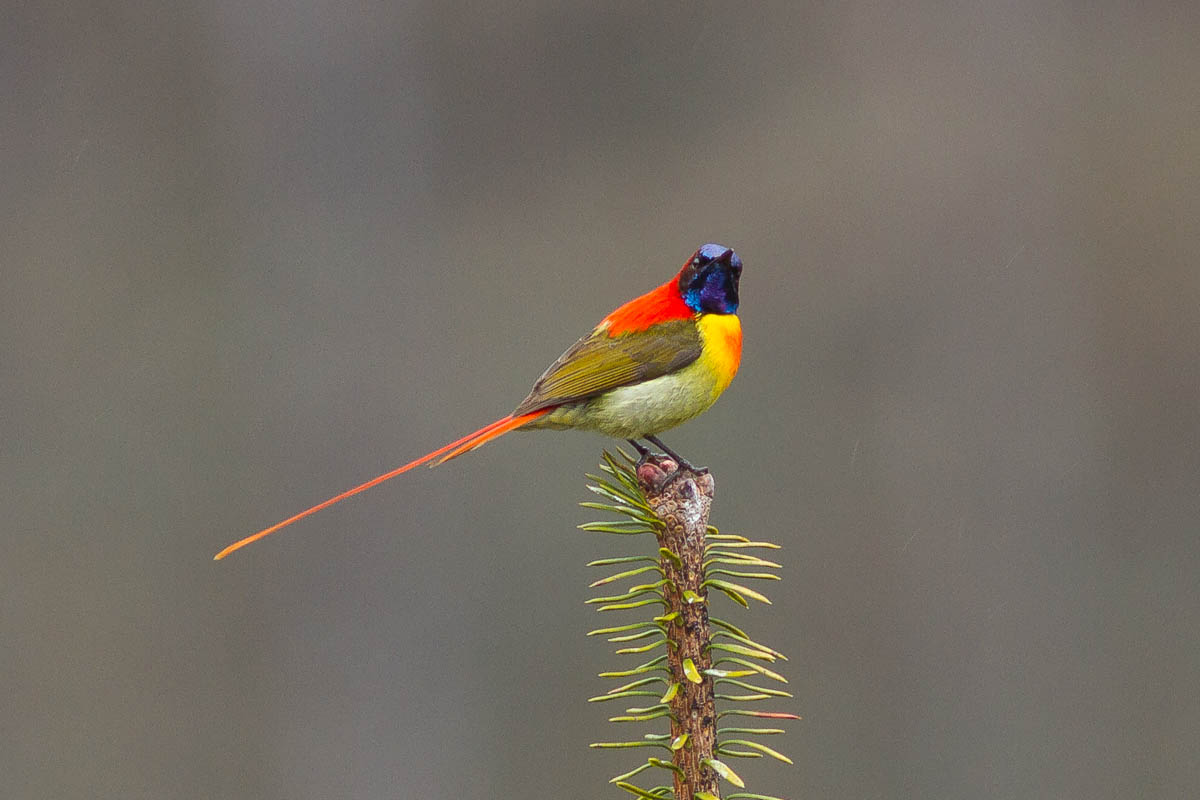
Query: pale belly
x,y
643,409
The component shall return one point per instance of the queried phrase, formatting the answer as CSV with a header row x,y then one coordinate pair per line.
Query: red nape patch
x,y
658,305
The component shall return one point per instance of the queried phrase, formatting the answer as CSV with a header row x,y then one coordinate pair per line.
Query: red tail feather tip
x,y
452,450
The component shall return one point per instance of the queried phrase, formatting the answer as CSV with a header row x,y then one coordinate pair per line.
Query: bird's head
x,y
708,282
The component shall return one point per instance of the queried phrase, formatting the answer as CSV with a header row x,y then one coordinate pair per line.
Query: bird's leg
x,y
683,464
643,453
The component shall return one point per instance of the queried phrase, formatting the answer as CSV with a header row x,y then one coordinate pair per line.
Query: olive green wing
x,y
598,363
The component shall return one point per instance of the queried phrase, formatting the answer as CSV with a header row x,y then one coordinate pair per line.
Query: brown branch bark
x,y
682,502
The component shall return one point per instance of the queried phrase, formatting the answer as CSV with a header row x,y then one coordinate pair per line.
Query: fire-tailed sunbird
x,y
655,362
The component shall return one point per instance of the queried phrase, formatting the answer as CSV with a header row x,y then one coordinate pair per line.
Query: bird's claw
x,y
669,465
656,470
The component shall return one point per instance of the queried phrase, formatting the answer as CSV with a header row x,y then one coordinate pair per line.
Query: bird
x,y
653,363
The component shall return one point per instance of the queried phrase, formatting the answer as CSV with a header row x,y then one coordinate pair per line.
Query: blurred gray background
x,y
254,253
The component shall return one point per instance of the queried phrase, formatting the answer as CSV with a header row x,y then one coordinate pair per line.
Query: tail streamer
x,y
446,452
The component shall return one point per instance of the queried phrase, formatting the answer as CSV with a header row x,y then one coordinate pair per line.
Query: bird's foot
x,y
660,474
681,463
656,471
643,452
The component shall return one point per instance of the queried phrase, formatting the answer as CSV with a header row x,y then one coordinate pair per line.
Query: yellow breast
x,y
722,351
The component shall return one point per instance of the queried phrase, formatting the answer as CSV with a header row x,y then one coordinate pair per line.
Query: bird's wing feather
x,y
599,362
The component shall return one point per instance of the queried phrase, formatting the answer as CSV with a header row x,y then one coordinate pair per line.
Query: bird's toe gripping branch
x,y
677,462
680,460
656,471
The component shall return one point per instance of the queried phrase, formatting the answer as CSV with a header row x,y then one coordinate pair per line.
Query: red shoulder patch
x,y
658,305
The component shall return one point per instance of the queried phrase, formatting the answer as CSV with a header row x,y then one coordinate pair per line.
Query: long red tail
x,y
452,450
